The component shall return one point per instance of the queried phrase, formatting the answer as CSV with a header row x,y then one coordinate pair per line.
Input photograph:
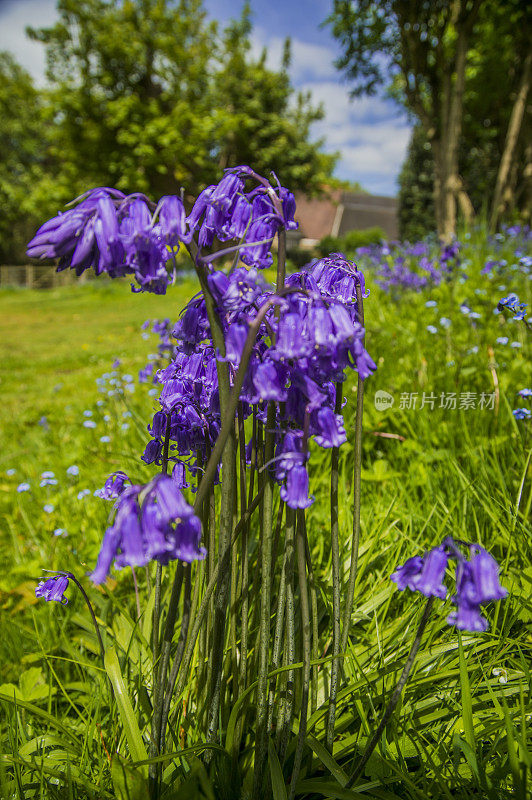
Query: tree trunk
x,y
452,130
510,145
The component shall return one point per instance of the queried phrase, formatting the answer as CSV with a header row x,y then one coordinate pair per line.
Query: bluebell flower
x,y
53,589
151,522
23,487
114,486
477,581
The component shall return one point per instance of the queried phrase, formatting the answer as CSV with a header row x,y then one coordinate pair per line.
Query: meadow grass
x,y
462,728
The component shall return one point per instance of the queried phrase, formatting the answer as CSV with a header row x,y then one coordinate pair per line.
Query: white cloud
x,y
309,62
14,17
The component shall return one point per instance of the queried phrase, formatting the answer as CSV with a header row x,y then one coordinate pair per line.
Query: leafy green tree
x,y
22,157
428,54
148,97
416,181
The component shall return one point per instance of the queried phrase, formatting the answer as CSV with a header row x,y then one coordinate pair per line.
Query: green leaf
x,y
125,708
278,783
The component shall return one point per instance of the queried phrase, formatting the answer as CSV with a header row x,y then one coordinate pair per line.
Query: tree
x,y
22,147
421,48
147,97
493,143
416,181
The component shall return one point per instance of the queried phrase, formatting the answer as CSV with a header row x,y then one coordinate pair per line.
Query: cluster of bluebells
x,y
129,235
307,339
415,267
151,522
309,336
476,581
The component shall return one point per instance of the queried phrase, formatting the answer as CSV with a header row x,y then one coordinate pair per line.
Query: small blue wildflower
x,y
48,508
472,350
465,309
502,340
87,413
48,474
432,329
60,532
83,493
43,422
100,403
525,392
127,414
515,345
105,439
10,472
89,423
124,426
445,322
106,418
23,487
522,413
73,470
116,363
48,482
152,392
474,315
431,304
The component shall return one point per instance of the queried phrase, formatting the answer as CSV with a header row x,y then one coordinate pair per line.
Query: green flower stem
x,y
261,742
335,558
314,616
185,621
356,494
155,769
197,620
370,747
287,703
243,589
165,650
280,624
85,596
305,631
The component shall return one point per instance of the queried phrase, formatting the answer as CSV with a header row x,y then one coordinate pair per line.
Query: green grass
x,y
458,733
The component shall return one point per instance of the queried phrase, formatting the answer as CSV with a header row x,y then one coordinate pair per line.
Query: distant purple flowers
x,y
476,580
415,267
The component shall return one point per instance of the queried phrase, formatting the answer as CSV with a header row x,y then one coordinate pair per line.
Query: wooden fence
x,y
37,276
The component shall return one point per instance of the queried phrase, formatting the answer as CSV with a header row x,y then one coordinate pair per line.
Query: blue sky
x,y
371,134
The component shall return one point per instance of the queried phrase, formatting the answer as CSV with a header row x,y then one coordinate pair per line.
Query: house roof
x,y
339,212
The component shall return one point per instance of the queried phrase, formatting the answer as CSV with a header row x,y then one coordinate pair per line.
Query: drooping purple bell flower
x,y
405,575
295,491
113,486
53,589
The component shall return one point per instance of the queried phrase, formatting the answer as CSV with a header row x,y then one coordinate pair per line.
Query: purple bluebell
x,y
151,522
53,589
113,486
477,581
